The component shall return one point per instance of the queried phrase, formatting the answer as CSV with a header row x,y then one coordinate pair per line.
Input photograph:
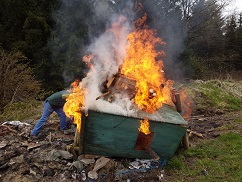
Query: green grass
x,y
225,95
20,111
215,160
239,120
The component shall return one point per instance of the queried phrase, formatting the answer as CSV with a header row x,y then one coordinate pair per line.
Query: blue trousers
x,y
48,110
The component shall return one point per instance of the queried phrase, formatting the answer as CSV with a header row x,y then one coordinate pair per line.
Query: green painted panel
x,y
115,136
166,114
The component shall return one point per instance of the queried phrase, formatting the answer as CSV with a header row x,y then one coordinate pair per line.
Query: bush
x,y
17,80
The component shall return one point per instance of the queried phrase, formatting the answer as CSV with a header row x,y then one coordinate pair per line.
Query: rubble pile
x,y
45,158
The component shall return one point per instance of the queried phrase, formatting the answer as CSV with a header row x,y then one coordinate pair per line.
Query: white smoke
x,y
108,51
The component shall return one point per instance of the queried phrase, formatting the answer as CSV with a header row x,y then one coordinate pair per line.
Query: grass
x,y
216,94
218,159
239,120
215,160
21,111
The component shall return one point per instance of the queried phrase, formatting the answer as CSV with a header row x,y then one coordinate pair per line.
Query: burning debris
x,y
75,103
118,84
133,85
140,76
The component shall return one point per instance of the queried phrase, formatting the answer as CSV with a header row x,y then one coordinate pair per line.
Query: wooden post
x,y
143,142
185,141
82,132
77,138
178,102
77,147
152,153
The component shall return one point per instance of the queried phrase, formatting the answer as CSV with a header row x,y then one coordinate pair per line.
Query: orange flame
x,y
186,103
144,126
74,103
140,64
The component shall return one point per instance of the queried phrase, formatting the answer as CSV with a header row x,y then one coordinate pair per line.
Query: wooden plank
x,y
115,136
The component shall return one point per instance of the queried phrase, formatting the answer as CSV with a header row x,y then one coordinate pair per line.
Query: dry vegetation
x,y
17,80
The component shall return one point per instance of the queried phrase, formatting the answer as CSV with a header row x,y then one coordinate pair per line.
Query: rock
x,y
98,165
55,154
3,144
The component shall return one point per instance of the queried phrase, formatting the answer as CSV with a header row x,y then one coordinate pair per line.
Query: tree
x,y
205,34
231,41
26,26
238,48
189,27
68,39
230,34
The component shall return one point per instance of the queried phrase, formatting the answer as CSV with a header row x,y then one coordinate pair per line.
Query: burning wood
x,y
103,95
178,102
124,84
110,81
119,84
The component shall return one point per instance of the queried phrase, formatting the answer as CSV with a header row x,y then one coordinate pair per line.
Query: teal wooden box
x,y
115,136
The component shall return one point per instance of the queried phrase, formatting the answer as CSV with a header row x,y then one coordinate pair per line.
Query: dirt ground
x,y
23,159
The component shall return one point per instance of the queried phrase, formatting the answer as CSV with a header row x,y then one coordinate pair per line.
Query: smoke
x,y
81,27
108,48
100,28
174,38
104,13
163,16
166,18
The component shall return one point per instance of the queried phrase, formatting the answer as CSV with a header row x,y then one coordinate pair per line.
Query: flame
x,y
186,103
75,102
140,64
144,126
87,59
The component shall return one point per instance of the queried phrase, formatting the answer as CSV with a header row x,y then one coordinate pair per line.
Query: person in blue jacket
x,y
53,103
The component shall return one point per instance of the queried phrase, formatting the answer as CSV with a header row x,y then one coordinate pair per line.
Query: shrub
x,y
17,79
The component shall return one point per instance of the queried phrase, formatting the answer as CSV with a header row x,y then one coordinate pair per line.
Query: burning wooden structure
x,y
113,135
139,84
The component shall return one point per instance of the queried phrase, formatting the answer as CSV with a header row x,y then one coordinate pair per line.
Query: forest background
x,y
42,43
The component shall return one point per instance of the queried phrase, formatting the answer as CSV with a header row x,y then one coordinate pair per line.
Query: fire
x,y
74,103
140,64
144,127
186,103
87,60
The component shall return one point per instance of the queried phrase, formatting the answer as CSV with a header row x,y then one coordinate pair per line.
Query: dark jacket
x,y
56,99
